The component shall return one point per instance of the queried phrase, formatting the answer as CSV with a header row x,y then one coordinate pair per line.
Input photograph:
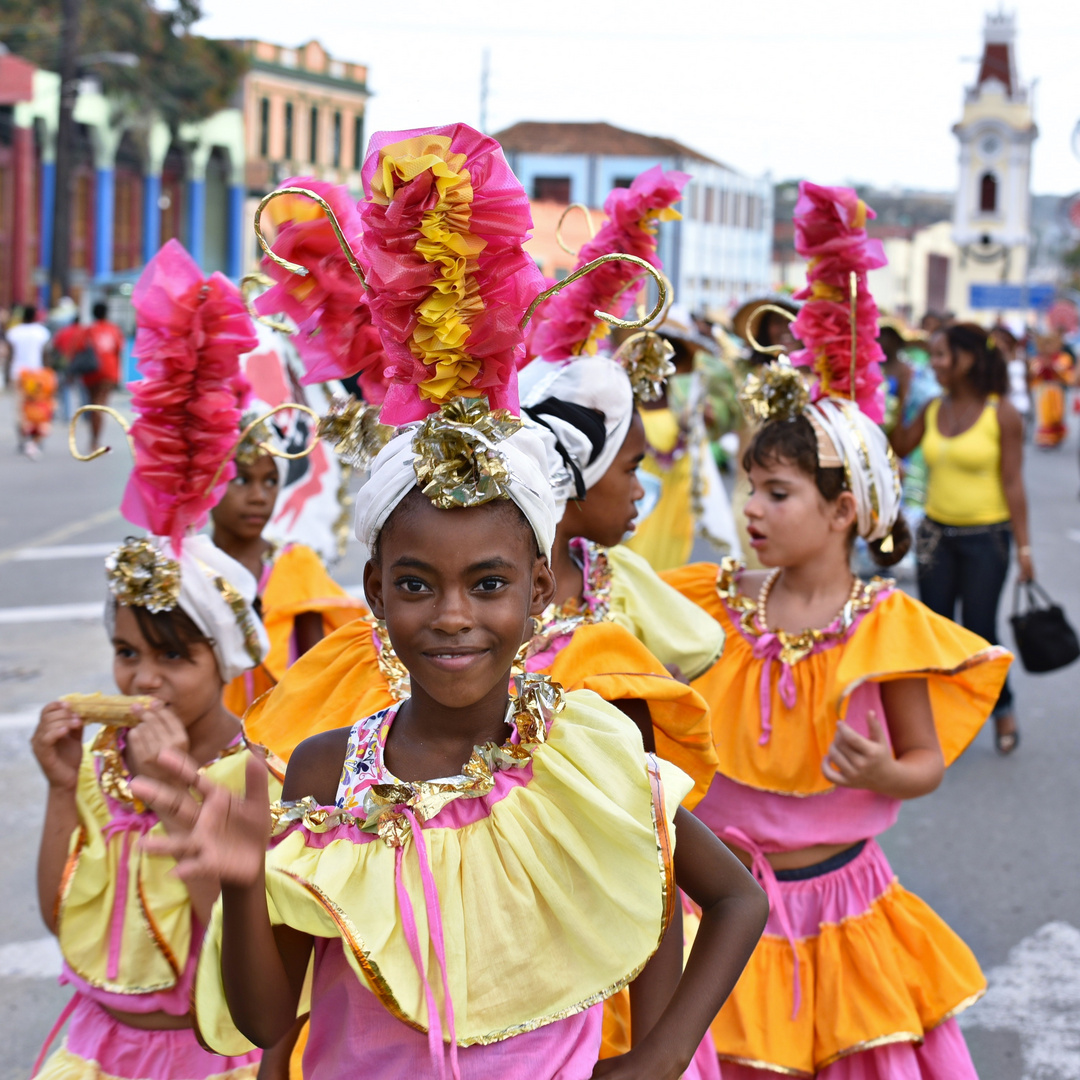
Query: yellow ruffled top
x,y
124,919
345,678
551,901
672,628
891,636
297,583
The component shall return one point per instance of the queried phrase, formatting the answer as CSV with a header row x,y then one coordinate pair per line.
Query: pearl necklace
x,y
770,581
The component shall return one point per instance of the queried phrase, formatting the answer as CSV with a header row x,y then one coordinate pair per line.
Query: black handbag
x,y
1044,638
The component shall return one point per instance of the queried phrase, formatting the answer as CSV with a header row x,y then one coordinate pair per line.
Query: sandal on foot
x,y
1005,742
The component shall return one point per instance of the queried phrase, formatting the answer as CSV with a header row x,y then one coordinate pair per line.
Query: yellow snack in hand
x,y
111,709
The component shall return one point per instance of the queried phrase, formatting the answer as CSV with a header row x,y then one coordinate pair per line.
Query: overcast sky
x,y
837,90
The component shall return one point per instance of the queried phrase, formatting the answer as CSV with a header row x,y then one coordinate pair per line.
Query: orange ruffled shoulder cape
x,y
897,638
340,681
298,583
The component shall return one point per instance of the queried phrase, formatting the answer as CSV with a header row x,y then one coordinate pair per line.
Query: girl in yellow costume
x,y
180,618
835,700
542,866
297,599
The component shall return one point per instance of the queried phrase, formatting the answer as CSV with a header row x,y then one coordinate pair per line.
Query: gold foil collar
x,y
396,674
647,358
352,428
538,700
773,392
140,574
457,461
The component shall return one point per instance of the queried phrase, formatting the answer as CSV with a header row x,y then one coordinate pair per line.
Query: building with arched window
x,y
992,216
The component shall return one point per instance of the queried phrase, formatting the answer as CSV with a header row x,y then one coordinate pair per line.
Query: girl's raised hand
x,y
856,761
224,836
158,729
57,745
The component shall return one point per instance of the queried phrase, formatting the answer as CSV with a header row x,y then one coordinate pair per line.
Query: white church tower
x,y
992,215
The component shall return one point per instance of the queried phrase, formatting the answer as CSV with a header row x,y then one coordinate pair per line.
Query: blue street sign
x,y
1016,297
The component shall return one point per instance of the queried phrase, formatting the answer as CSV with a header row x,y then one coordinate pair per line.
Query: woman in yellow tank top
x,y
972,441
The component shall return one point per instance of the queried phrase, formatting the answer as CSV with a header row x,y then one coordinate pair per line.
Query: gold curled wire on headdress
x,y
562,217
588,268
249,282
267,447
769,350
72,429
352,428
853,287
773,392
296,268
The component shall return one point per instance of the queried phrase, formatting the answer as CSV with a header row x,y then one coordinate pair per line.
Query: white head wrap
x,y
216,592
393,477
871,468
594,382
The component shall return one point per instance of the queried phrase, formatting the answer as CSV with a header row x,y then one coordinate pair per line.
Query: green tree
x,y
180,75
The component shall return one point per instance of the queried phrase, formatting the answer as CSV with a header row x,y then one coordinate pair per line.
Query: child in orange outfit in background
x,y
297,599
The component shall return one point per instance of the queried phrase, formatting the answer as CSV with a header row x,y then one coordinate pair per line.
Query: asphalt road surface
x,y
995,850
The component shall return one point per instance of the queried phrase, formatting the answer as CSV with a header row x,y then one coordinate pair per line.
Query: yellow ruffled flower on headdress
x,y
774,392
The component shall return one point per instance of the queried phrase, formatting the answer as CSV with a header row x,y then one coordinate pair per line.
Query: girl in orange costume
x,y
839,699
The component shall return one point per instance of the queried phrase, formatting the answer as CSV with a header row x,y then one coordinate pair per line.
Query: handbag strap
x,y
1034,593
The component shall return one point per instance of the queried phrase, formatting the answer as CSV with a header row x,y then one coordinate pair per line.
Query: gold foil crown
x,y
141,575
457,459
251,446
352,428
773,392
647,358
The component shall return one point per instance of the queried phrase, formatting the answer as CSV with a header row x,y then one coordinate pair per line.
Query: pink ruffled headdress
x,y
335,335
566,325
830,231
190,335
444,221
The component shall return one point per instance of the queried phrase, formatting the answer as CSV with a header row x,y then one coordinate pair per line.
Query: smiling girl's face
x,y
190,685
788,519
456,589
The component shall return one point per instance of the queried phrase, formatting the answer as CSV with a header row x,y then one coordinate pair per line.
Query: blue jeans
x,y
968,565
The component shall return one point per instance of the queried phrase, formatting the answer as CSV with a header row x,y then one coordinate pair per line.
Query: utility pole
x,y
60,273
485,72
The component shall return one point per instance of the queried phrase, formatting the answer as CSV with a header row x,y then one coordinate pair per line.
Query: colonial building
x,y
303,114
716,256
136,184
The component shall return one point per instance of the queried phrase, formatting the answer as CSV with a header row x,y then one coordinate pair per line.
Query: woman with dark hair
x,y
972,440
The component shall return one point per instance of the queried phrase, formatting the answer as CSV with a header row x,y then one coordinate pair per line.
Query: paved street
x,y
993,850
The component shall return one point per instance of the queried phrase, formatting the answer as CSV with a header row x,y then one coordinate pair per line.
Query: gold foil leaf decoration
x,y
141,575
457,461
647,358
774,392
250,449
352,428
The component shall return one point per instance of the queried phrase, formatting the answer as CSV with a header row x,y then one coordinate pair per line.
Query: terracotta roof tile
x,y
553,137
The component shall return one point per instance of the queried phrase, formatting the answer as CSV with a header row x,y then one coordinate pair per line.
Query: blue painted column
x,y
196,223
105,192
151,235
45,232
234,249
